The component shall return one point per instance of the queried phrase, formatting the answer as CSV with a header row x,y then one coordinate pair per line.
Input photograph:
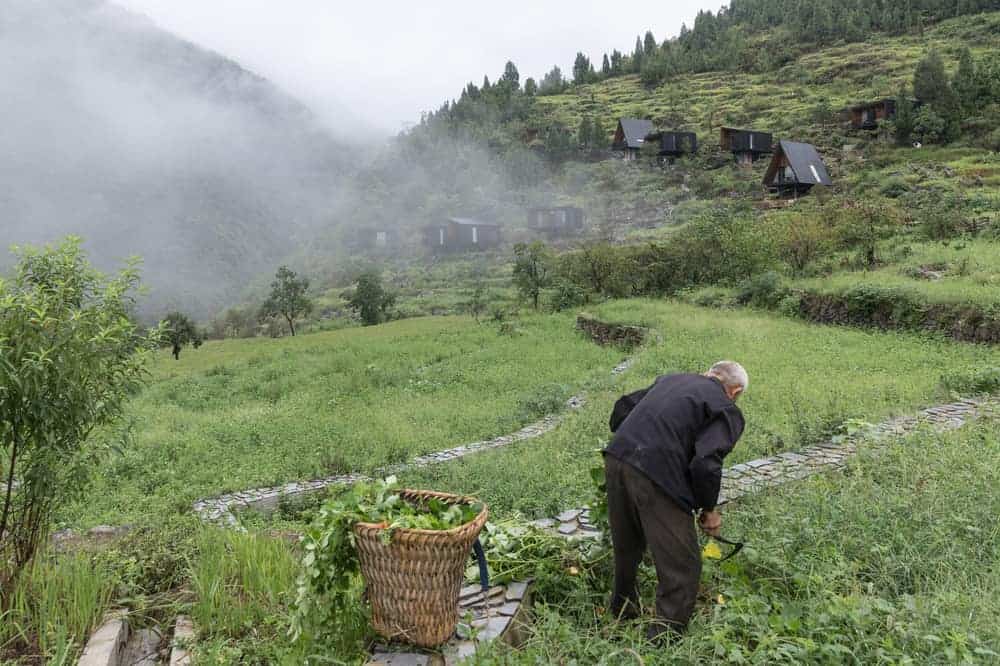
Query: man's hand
x,y
710,522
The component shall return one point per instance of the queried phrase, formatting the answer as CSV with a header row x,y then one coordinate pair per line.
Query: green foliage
x,y
69,357
371,300
532,270
983,379
763,291
178,331
566,295
328,603
288,298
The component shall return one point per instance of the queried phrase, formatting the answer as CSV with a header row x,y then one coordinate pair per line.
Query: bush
x,y
566,296
763,291
894,188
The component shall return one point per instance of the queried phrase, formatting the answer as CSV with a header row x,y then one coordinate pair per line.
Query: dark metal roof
x,y
805,162
635,130
470,222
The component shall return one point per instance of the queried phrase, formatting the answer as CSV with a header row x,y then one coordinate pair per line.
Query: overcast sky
x,y
386,62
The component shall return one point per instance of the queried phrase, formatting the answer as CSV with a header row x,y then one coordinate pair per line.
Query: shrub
x,y
763,291
566,296
71,356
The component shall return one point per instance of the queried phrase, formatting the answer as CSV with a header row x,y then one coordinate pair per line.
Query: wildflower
x,y
573,571
711,551
721,600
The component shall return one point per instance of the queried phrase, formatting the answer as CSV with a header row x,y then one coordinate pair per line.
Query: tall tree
x,y
649,44
71,356
581,69
616,62
553,83
532,270
511,77
606,66
930,82
530,87
637,55
288,298
599,138
966,83
178,332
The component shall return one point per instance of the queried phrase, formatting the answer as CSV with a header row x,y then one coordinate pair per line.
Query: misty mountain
x,y
145,144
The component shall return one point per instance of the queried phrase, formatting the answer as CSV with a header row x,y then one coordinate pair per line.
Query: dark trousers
x,y
641,514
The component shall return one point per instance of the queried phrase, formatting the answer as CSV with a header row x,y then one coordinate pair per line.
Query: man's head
x,y
732,376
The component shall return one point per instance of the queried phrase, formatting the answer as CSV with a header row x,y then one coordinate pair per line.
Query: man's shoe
x,y
625,612
662,634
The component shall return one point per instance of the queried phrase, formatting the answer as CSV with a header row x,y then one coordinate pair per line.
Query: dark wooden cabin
x,y
461,234
868,115
556,221
630,136
795,168
747,145
675,144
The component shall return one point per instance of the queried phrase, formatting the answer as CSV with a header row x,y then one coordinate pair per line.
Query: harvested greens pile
x,y
328,602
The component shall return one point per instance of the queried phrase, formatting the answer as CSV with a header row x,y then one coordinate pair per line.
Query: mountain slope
x,y
145,144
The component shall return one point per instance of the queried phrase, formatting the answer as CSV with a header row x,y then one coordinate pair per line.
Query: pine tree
x,y
511,77
637,56
582,69
552,83
606,67
930,83
616,62
649,44
530,87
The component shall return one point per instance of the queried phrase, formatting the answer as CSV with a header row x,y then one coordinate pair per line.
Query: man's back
x,y
677,436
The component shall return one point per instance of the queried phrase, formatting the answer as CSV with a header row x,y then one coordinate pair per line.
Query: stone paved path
x,y
220,509
756,475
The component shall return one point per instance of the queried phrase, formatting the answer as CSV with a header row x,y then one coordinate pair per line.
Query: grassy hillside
x,y
784,101
248,413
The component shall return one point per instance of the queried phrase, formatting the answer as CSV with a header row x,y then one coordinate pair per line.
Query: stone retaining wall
x,y
604,333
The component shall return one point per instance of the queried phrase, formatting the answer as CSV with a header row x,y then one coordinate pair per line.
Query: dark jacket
x,y
677,434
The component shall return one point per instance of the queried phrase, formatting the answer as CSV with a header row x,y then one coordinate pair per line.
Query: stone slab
x,y
184,634
106,646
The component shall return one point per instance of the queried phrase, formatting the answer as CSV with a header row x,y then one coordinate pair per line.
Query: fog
x,y
381,64
146,145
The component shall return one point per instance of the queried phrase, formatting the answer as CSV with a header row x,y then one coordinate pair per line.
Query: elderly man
x,y
663,466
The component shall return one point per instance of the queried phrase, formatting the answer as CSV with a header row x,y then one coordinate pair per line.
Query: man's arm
x,y
713,444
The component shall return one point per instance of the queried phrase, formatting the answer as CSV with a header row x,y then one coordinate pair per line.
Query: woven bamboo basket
x,y
413,582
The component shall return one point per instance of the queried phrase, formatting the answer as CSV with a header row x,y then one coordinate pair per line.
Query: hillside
x,y
148,145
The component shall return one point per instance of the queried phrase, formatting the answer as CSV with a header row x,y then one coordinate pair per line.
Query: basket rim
x,y
462,499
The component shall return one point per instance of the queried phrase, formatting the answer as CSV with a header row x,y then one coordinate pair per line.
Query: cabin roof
x,y
804,161
635,130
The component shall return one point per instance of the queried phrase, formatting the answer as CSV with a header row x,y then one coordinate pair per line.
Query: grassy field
x,y
969,273
246,413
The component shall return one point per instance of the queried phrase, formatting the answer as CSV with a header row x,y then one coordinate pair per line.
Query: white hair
x,y
730,373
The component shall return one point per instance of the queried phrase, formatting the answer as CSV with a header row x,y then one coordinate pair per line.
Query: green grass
x,y
805,381
53,608
894,561
245,413
970,273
